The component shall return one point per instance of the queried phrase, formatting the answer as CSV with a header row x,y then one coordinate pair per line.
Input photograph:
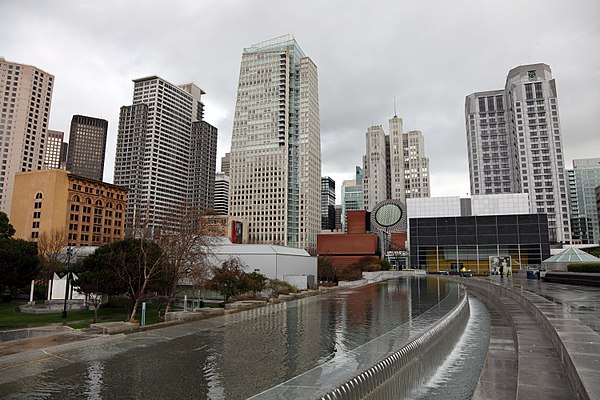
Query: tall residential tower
x,y
275,146
26,97
514,144
166,153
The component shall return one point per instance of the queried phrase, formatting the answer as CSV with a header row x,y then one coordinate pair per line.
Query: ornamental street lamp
x,y
69,254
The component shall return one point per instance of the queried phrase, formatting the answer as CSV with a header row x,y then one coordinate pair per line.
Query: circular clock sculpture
x,y
389,215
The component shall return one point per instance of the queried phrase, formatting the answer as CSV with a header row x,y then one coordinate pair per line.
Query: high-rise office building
x,y
583,179
275,146
226,163
352,195
87,146
53,150
395,166
416,166
514,144
27,94
163,146
327,203
221,194
338,217
376,184
64,150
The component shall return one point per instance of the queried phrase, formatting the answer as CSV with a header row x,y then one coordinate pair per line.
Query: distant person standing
x,y
502,269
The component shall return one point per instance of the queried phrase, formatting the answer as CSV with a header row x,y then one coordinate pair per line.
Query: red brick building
x,y
344,249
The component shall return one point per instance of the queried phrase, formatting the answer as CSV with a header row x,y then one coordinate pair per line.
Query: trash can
x,y
530,275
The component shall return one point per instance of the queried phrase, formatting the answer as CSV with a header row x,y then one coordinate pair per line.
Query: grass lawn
x,y
12,318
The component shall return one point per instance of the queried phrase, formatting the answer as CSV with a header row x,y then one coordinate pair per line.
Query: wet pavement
x,y
556,337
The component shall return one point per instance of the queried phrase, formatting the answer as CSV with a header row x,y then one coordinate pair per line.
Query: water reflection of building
x,y
448,233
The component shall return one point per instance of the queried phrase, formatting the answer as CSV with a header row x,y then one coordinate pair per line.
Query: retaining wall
x,y
405,370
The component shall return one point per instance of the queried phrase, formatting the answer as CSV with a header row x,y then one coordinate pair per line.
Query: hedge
x,y
584,267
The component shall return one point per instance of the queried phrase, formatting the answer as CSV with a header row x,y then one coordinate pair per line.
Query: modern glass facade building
x,y
352,195
327,203
583,179
449,243
276,147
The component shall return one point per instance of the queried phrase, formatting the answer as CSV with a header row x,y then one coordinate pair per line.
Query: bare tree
x,y
50,246
149,258
186,242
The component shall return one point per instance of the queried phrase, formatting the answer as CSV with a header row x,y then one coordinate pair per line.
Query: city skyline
x,y
429,98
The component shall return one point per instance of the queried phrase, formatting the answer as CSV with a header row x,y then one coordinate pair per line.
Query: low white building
x,y
292,265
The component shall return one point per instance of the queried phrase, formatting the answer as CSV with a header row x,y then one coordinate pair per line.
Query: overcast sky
x,y
428,54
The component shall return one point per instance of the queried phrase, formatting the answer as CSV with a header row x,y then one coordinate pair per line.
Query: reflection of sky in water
x,y
93,382
238,355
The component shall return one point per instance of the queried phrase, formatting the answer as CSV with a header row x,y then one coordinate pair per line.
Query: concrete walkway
x,y
555,336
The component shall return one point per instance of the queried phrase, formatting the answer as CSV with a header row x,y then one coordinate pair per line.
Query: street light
x,y
69,254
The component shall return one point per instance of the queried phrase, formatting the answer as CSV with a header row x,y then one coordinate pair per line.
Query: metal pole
x,y
69,252
143,321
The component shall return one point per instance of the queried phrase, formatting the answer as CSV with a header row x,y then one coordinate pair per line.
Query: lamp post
x,y
69,254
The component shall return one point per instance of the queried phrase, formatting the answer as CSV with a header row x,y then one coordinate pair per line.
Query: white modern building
x,y
275,147
395,166
27,95
221,205
275,262
166,152
454,206
514,144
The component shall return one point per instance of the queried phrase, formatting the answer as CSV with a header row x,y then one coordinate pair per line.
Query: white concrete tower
x,y
26,99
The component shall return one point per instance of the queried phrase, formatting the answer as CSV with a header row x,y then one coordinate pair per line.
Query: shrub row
x,y
587,267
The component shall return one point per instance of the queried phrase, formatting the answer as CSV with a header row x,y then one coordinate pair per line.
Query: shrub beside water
x,y
584,267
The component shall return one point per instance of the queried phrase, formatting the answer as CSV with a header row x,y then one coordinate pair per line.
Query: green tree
x,y
19,264
229,278
325,270
134,265
95,279
277,287
258,282
6,229
594,251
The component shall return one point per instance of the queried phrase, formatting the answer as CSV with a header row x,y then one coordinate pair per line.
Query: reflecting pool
x,y
230,357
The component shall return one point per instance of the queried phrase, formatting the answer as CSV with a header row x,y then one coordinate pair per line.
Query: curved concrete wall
x,y
405,370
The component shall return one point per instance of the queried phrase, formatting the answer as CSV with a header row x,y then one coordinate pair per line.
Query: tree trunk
x,y
96,312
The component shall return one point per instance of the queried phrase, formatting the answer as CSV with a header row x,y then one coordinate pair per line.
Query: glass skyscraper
x,y
583,179
275,147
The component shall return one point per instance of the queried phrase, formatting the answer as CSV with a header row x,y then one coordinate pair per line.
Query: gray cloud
x,y
429,55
